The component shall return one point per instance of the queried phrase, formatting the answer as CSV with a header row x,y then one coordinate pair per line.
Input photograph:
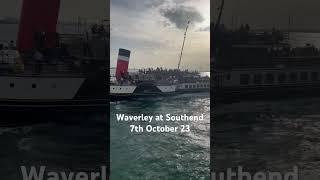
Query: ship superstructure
x,y
252,64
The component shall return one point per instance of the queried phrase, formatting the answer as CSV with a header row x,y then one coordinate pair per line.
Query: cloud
x,y
180,15
207,28
150,29
137,4
180,1
154,3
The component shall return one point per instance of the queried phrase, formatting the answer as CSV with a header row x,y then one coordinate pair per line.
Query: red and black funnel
x,y
122,63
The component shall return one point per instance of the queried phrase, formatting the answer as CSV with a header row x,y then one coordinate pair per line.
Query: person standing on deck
x,y
38,61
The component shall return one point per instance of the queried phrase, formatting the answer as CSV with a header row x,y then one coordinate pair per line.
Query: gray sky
x,y
153,30
272,13
70,9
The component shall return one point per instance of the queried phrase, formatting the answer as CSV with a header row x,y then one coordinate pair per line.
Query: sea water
x,y
167,155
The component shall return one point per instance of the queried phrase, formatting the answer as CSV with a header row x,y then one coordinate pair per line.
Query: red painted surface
x,y
38,16
122,67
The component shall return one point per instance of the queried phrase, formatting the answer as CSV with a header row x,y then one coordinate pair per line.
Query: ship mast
x,y
216,26
219,16
184,39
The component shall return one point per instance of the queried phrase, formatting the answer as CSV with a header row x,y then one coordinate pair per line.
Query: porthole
x,y
304,76
244,79
281,78
293,77
257,78
269,78
11,85
34,86
314,76
228,77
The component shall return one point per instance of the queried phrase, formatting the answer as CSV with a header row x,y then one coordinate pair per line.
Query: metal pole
x,y
216,26
184,39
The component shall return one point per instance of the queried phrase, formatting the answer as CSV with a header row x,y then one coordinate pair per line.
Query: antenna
x,y
184,39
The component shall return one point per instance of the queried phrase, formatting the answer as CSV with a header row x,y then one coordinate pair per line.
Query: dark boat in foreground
x,y
53,71
263,65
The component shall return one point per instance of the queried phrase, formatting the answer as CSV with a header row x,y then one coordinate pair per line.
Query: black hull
x,y
53,105
139,96
192,90
157,95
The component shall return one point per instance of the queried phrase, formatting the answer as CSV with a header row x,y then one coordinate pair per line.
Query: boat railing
x,y
30,66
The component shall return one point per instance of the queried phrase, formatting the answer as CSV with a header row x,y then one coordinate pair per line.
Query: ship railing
x,y
259,37
30,66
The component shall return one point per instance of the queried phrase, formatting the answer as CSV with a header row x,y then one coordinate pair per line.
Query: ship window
x,y
304,76
281,78
198,85
194,86
186,86
293,77
11,85
34,86
269,78
228,77
244,78
314,76
257,79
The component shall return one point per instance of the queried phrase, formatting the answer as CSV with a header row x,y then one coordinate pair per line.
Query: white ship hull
x,y
48,93
194,87
122,90
39,88
118,92
266,83
167,89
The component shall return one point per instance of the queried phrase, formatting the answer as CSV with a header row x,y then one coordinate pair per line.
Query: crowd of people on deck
x,y
98,29
10,59
245,34
158,74
163,73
